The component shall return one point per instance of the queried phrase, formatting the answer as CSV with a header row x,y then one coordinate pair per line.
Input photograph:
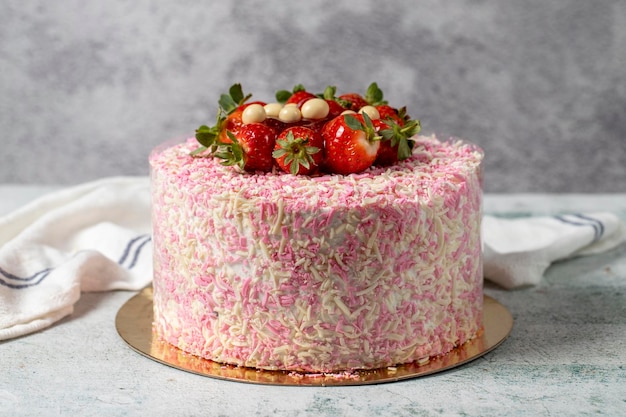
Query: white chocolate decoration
x,y
315,108
371,111
290,114
348,112
254,113
272,109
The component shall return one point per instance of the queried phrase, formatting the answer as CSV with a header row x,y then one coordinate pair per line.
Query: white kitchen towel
x,y
517,252
91,237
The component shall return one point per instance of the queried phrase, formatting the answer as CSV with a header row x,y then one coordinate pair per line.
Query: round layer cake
x,y
323,273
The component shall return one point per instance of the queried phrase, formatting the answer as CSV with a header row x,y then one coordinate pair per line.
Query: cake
x,y
318,273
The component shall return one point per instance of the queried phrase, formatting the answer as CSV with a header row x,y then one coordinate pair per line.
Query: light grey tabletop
x,y
565,355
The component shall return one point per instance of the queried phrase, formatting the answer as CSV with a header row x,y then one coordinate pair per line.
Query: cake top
x,y
303,133
433,169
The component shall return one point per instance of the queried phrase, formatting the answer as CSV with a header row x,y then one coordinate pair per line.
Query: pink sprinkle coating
x,y
318,274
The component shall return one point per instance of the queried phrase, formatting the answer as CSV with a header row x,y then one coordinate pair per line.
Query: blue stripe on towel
x,y
598,223
130,255
143,240
582,220
17,283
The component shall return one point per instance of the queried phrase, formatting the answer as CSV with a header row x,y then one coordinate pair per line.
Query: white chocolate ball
x,y
272,109
371,111
348,112
290,114
315,108
254,113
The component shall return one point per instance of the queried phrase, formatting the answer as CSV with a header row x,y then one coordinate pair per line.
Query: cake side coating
x,y
318,274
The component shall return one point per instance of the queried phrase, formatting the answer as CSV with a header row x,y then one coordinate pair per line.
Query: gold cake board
x,y
134,325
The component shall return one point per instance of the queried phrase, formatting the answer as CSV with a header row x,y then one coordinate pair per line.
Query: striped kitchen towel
x,y
517,252
91,237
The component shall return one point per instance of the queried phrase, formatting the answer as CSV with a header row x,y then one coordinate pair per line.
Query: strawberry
x,y
233,121
297,96
351,144
229,113
353,101
387,155
341,144
235,98
275,124
250,149
373,97
231,104
300,97
335,108
298,150
316,125
395,144
397,115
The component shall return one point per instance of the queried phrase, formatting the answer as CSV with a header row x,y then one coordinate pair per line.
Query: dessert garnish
x,y
303,133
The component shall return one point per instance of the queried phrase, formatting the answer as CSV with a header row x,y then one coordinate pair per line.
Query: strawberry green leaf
x,y
329,93
283,95
227,103
412,128
198,150
404,150
402,114
305,162
206,136
352,122
387,134
368,121
235,98
277,153
294,167
312,150
400,136
230,153
374,95
236,93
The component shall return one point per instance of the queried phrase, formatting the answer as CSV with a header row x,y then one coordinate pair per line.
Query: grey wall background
x,y
87,89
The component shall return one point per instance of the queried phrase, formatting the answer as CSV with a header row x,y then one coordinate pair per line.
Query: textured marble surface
x,y
88,88
565,355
